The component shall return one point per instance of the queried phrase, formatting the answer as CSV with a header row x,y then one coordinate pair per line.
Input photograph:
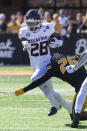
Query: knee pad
x,y
37,74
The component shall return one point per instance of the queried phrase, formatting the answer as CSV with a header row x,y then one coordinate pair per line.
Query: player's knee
x,y
33,78
44,87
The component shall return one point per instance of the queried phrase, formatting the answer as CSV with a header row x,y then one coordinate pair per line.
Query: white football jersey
x,y
39,51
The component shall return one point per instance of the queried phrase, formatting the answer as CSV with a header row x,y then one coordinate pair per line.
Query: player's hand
x,y
26,45
19,92
70,69
54,42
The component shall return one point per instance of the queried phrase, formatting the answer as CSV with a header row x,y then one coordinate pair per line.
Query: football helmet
x,y
34,19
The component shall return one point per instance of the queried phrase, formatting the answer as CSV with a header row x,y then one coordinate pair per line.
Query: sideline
x,y
15,73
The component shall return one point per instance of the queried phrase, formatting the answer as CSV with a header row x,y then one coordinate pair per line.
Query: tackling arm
x,y
35,83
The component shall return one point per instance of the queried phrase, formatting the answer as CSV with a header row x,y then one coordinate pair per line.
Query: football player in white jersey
x,y
34,37
83,91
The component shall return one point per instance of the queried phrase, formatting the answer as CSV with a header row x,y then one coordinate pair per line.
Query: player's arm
x,y
24,40
55,34
26,45
35,83
55,40
82,60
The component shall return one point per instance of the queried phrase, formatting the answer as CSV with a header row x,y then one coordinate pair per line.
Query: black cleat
x,y
52,111
74,125
75,120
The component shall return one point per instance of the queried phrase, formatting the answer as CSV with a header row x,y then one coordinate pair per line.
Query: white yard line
x,y
20,108
67,92
39,129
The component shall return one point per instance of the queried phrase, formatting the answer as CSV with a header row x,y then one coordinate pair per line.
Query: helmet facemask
x,y
34,25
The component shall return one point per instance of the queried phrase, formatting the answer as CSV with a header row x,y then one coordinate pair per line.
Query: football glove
x,y
54,42
70,69
26,45
19,92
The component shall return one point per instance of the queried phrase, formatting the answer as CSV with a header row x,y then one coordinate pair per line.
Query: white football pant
x,y
81,97
47,88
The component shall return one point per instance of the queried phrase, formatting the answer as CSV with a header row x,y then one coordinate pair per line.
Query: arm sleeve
x,y
82,60
39,81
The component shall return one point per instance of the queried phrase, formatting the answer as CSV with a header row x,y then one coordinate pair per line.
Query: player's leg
x,y
46,88
82,60
69,106
79,103
81,97
66,104
83,114
49,93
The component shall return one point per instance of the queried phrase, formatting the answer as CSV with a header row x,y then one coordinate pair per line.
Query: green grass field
x,y
29,111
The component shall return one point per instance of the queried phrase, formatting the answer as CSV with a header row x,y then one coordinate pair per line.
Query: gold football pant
x,y
84,105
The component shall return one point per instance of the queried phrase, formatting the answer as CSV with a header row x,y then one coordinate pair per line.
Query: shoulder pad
x,y
22,32
49,27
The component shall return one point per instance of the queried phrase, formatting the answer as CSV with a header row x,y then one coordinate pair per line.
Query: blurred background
x,y
69,18
29,112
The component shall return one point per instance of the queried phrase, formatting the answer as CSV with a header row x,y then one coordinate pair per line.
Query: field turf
x,y
29,111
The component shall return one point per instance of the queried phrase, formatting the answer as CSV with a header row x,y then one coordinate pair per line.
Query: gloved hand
x,y
54,42
19,92
70,69
26,45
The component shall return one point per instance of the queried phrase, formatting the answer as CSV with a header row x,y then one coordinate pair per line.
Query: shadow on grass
x,y
80,126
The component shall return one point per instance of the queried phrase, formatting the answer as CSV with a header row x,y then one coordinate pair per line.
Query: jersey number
x,y
63,62
42,49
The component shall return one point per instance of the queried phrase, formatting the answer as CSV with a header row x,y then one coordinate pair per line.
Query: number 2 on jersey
x,y
37,49
71,60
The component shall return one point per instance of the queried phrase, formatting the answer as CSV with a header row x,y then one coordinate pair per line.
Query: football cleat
x,y
75,120
19,92
52,111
